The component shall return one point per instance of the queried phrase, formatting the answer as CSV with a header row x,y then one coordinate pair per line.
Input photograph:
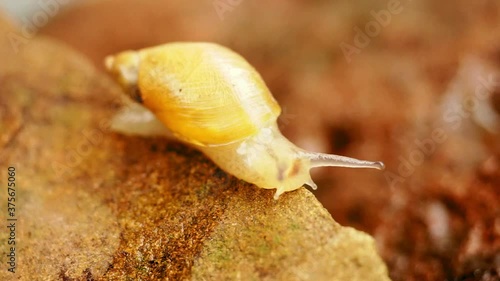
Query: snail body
x,y
212,98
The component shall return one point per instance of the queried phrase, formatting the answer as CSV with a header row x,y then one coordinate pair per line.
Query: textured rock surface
x,y
439,220
96,205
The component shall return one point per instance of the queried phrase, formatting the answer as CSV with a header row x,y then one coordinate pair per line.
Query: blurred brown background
x,y
415,84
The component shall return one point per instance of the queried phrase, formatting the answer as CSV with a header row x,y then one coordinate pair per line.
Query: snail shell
x,y
213,99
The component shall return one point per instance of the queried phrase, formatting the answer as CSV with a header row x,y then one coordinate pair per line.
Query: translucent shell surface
x,y
204,93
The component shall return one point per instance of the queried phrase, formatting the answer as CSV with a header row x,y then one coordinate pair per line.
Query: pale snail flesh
x,y
212,98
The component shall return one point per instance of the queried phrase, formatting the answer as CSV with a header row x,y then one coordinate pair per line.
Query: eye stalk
x,y
332,160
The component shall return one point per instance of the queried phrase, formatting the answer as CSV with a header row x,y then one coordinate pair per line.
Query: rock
x,y
434,211
293,239
92,204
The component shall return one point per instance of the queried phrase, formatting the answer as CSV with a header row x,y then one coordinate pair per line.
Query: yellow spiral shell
x,y
204,93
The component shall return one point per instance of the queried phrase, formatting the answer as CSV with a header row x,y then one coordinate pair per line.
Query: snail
x,y
211,98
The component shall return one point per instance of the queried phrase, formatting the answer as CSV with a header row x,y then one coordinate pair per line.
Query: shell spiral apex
x,y
212,98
